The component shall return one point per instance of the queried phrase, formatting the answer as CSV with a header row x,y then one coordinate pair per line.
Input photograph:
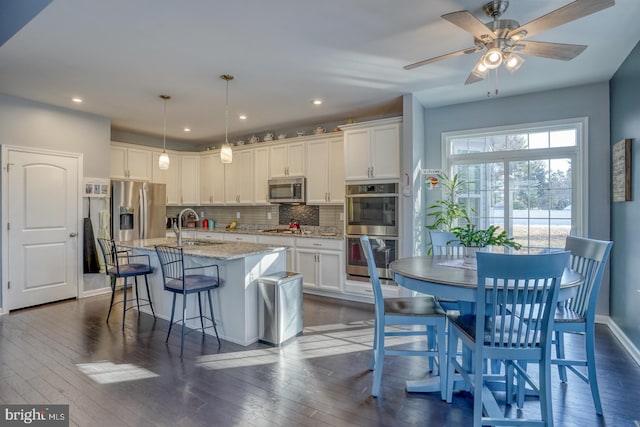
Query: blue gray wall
x,y
625,269
591,101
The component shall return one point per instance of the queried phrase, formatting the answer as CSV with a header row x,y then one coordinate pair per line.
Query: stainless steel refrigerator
x,y
138,210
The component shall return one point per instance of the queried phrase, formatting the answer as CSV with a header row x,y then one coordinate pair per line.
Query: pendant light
x,y
163,160
226,154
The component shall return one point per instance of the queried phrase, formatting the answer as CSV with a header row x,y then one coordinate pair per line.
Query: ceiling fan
x,y
502,40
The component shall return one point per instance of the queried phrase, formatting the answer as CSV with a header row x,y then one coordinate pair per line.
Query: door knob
x,y
73,234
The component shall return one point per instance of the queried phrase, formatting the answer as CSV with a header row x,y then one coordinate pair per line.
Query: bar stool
x,y
176,281
122,264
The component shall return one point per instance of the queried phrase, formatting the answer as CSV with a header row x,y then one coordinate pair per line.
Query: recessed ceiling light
x,y
317,102
242,117
77,100
187,129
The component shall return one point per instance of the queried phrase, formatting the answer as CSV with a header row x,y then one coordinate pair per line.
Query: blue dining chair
x,y
577,315
422,311
446,243
506,327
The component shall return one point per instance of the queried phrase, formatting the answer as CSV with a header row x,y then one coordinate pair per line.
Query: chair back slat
x,y
515,296
171,263
109,254
445,243
373,274
589,258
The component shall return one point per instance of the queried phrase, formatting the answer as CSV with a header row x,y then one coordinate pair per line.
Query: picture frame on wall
x,y
621,171
96,187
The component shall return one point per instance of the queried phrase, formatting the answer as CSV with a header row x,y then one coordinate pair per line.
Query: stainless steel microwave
x,y
287,190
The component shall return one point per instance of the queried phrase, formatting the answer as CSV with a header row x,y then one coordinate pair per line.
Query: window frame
x,y
579,152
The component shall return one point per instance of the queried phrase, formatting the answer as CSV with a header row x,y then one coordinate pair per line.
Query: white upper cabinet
x,y
325,171
372,151
261,175
190,179
238,178
287,159
170,177
130,163
211,179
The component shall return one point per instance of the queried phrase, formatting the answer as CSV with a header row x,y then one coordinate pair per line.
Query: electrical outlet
x,y
237,215
268,215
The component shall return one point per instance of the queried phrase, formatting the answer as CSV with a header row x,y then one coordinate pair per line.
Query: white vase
x,y
469,255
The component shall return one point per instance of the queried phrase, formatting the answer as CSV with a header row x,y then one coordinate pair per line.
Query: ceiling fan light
x,y
513,62
493,58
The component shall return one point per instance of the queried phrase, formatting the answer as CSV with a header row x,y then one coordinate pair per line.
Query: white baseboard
x,y
94,292
634,352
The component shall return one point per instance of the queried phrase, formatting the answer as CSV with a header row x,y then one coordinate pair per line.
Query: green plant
x,y
448,210
470,236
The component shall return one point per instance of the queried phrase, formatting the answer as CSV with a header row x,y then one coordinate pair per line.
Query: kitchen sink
x,y
201,242
281,231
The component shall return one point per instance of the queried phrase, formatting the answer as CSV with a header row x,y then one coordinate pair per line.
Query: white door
x,y
42,230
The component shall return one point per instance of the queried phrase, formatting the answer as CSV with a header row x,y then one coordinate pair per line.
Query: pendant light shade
x,y
163,160
226,153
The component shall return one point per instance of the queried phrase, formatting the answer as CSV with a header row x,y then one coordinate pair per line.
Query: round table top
x,y
429,274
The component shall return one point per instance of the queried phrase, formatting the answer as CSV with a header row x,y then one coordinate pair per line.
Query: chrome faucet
x,y
178,229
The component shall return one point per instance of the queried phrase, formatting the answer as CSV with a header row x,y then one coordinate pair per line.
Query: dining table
x,y
449,277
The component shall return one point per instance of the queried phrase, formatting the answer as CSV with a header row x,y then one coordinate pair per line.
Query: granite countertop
x,y
207,249
284,232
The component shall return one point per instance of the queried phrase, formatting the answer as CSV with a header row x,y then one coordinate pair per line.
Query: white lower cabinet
x,y
321,263
247,238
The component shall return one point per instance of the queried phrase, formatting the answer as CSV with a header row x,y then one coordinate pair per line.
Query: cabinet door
x,y
218,180
206,179
317,171
330,267
190,180
385,151
335,177
306,265
357,154
139,164
261,175
295,159
118,163
230,183
278,161
172,179
244,175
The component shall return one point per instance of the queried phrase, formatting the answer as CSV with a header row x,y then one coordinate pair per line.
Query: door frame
x,y
4,156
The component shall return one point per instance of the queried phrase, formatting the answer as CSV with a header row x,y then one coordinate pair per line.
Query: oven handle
x,y
372,195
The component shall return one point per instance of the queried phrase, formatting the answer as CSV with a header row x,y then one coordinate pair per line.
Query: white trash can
x,y
279,307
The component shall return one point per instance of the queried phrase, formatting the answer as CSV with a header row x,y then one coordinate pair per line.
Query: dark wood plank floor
x,y
65,353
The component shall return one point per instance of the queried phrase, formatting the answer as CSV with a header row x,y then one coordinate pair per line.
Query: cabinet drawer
x,y
331,244
203,235
276,240
365,288
248,238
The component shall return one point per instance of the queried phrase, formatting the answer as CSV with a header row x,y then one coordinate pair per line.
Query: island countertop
x,y
207,249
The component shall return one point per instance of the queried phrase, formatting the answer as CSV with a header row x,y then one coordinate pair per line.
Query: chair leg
x,y
431,339
113,294
562,370
478,386
146,283
379,356
451,357
124,303
173,310
135,280
200,308
184,320
213,319
442,358
372,365
589,340
545,391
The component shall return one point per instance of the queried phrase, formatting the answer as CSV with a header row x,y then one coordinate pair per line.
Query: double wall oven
x,y
371,209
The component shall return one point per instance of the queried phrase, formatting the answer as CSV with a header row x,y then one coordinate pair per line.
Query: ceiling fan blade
x,y
465,20
473,78
567,13
565,52
441,57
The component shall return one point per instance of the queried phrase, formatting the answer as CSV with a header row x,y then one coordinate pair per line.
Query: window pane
x,y
563,138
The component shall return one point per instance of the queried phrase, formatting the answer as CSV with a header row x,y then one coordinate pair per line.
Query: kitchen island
x,y
236,301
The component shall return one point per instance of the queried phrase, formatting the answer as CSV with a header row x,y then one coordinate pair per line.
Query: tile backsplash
x,y
324,217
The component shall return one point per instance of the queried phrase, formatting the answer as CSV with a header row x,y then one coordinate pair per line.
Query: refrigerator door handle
x,y
143,214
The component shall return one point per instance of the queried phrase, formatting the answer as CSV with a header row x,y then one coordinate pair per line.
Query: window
x,y
527,179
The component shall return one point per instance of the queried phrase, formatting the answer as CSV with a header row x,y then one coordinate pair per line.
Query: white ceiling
x,y
120,55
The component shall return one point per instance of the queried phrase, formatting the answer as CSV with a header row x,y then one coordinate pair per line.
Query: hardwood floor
x,y
65,353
